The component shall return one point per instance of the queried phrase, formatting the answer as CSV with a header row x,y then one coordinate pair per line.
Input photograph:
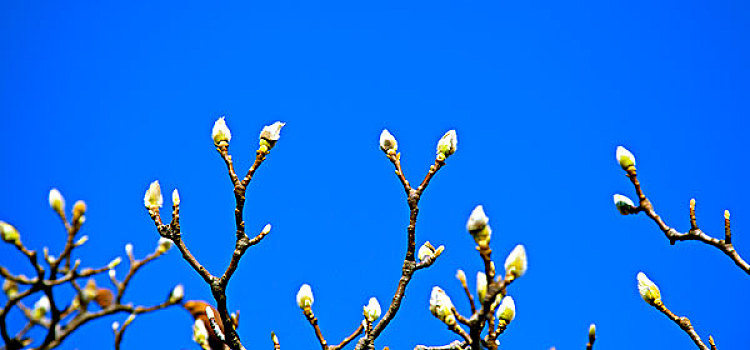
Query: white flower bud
x,y
163,245
592,331
178,292
372,310
624,157
266,229
41,307
624,204
129,249
481,285
461,276
448,143
153,199
116,261
200,334
516,263
115,326
425,251
648,290
478,226
507,310
387,141
56,201
441,306
10,288
9,233
270,134
129,320
175,198
82,240
220,133
112,273
305,297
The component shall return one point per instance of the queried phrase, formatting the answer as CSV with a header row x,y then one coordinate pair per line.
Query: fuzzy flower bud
x,y
388,142
270,134
112,273
592,332
447,144
163,245
372,310
79,208
9,233
507,310
220,133
129,249
115,326
425,251
305,297
624,157
478,227
266,229
41,307
461,276
481,285
153,199
178,292
116,261
56,201
10,288
175,198
624,204
441,306
648,290
200,334
81,241
516,263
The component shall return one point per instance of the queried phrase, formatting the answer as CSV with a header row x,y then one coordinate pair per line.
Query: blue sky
x,y
100,99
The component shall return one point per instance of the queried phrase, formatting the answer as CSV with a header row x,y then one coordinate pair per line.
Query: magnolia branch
x,y
627,161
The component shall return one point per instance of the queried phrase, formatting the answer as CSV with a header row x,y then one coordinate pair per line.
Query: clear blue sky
x,y
100,99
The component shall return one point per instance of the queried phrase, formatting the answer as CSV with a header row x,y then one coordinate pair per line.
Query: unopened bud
x,y
625,158
425,251
388,142
200,334
10,288
116,261
56,201
41,307
648,290
112,273
9,233
516,263
305,297
115,326
153,199
82,240
726,214
507,310
592,331
270,134
220,133
441,306
478,226
175,198
266,229
447,144
163,245
129,249
178,292
372,310
624,204
481,285
461,276
128,320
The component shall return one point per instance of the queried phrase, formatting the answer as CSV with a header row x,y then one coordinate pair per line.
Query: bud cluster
x,y
441,306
